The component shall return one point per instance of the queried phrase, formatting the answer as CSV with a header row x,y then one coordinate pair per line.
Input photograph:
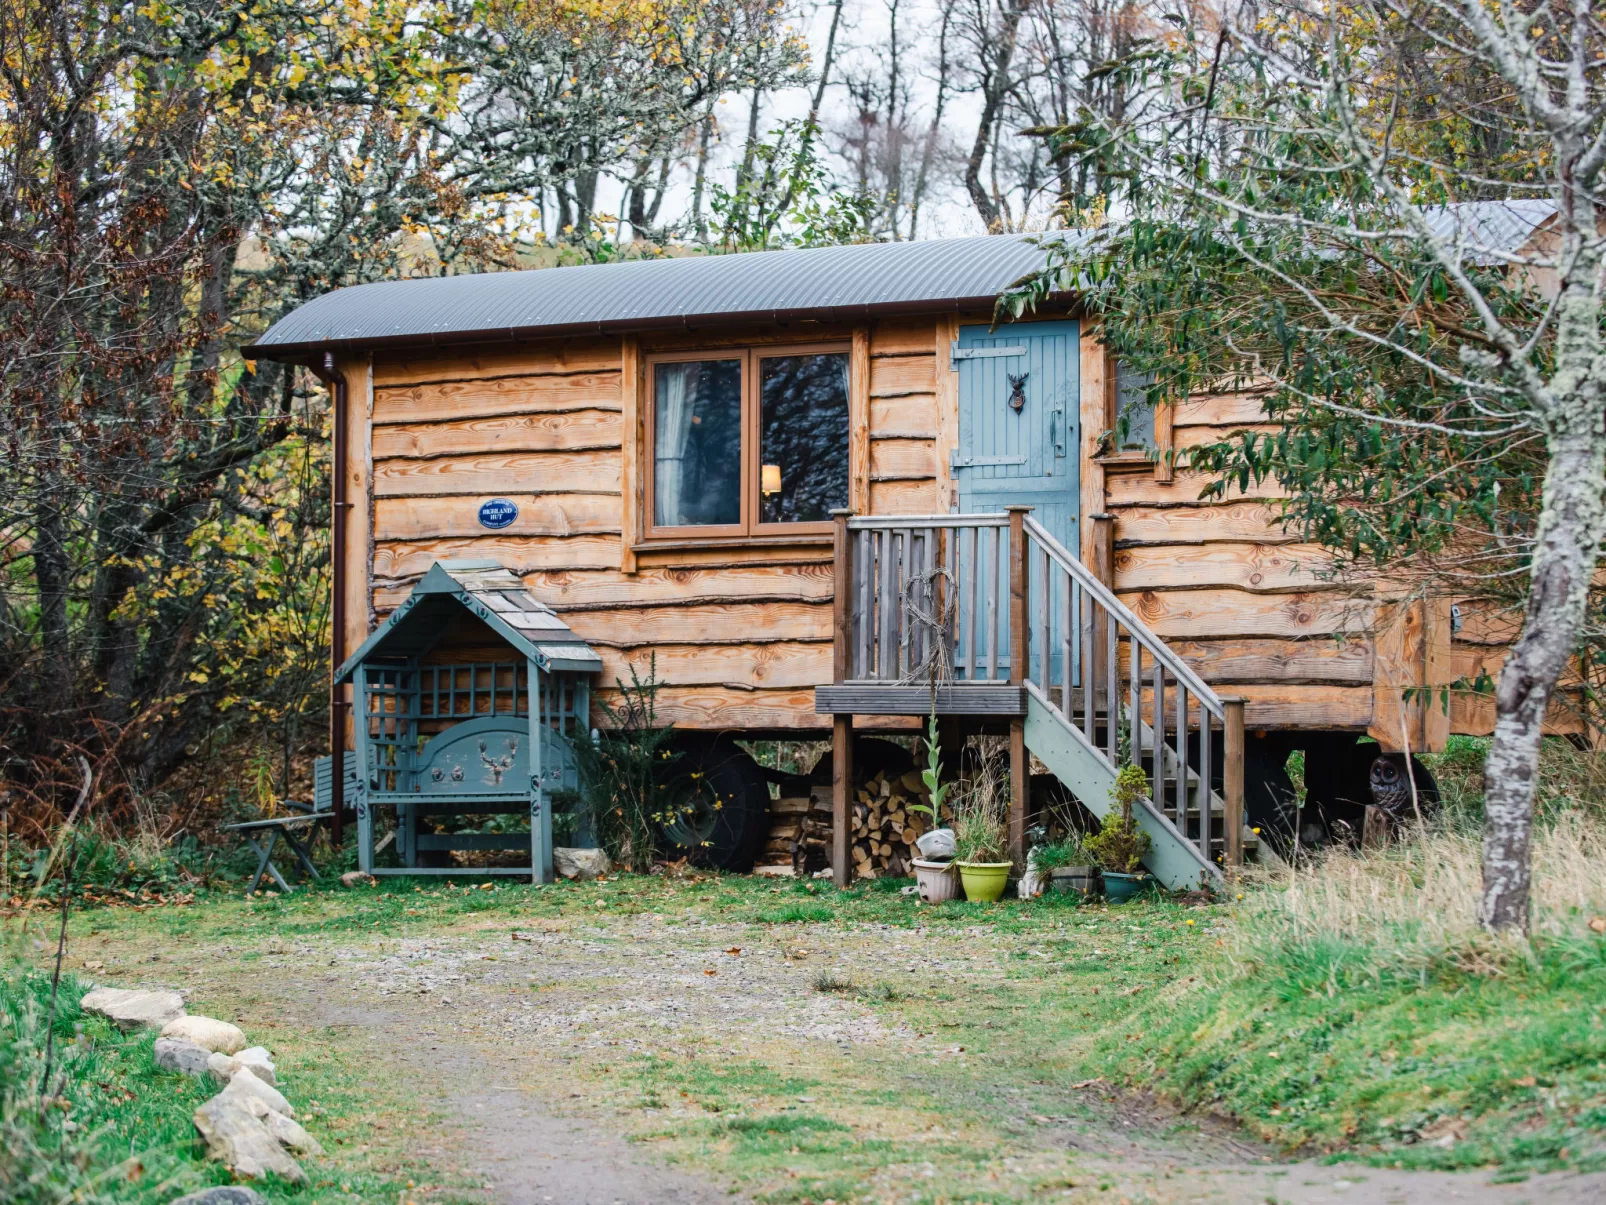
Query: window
x,y
754,442
1134,416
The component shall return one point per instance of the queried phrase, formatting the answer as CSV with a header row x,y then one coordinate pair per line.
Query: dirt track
x,y
533,1041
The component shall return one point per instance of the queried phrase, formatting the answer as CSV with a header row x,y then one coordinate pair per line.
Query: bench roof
x,y
492,593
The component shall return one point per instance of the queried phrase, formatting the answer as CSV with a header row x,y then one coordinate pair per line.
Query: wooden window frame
x,y
749,529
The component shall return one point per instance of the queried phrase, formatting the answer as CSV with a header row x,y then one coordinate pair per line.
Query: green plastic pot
x,y
984,881
1119,888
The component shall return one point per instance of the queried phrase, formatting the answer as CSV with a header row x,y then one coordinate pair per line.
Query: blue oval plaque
x,y
498,513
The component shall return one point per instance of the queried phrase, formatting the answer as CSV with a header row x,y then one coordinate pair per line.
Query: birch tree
x,y
1323,196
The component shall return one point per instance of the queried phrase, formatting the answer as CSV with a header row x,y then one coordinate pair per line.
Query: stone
x,y
134,1008
176,1054
206,1031
246,1086
356,878
583,864
223,1065
243,1142
290,1134
256,1060
231,1195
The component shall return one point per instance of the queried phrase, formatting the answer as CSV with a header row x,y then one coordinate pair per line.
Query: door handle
x,y
1056,437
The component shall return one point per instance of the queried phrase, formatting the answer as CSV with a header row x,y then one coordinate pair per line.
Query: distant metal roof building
x,y
1490,231
825,283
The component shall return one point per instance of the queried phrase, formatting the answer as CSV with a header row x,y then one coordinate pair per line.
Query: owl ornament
x,y
1391,789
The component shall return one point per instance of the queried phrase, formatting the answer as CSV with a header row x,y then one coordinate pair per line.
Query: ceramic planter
x,y
984,881
1119,888
1072,880
936,881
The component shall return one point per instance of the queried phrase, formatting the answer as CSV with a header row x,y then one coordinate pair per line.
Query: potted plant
x,y
934,879
1119,845
980,838
1064,866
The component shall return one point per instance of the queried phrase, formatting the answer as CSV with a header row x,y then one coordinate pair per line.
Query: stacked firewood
x,y
886,826
789,820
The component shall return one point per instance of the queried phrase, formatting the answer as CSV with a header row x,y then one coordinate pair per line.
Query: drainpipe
x,y
338,707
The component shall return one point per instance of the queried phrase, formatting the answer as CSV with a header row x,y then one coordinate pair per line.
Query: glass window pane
x,y
1134,417
697,443
803,437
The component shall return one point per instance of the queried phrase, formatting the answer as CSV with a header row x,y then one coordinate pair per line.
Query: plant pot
x,y
984,881
936,880
1072,880
1119,888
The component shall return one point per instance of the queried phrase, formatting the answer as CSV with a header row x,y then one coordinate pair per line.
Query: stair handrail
x,y
1188,781
1139,630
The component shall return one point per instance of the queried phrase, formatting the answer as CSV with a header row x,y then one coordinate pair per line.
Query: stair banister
x,y
1179,790
1101,594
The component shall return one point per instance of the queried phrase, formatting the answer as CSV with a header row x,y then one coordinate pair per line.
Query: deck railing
x,y
989,599
929,596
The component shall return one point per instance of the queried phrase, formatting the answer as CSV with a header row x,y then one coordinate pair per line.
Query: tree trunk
x,y
993,93
700,227
1572,523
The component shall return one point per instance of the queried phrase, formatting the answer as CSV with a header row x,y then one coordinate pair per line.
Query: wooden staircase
x,y
991,617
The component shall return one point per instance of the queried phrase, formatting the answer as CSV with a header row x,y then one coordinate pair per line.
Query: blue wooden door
x,y
1019,404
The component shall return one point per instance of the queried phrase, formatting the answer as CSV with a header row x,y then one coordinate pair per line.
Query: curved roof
x,y
826,283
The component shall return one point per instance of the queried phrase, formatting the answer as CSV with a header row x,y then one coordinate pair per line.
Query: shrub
x,y
1120,844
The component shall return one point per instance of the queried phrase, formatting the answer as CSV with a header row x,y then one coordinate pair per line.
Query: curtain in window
x,y
672,434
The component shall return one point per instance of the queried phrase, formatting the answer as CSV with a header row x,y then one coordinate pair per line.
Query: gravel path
x,y
510,1030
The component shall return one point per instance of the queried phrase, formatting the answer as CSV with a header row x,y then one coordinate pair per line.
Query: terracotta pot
x,y
984,881
1119,888
936,880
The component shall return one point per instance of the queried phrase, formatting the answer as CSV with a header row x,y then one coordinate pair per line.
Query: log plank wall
x,y
1251,607
741,633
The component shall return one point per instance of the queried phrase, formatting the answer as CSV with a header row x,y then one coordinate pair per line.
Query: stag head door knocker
x,y
1017,390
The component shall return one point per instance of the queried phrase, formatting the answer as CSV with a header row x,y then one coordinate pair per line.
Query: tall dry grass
x,y
1423,891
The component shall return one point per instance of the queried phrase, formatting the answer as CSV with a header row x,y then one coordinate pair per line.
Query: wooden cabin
x,y
687,458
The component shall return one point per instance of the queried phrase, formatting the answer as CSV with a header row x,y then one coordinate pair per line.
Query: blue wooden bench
x,y
438,736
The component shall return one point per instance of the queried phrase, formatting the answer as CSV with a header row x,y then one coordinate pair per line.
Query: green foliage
x,y
101,1132
627,773
1120,844
1052,856
931,776
633,781
1274,235
786,198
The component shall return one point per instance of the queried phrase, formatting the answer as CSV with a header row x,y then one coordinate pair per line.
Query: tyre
x,y
1337,786
1270,804
725,818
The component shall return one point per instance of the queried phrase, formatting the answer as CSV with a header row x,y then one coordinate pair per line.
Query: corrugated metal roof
x,y
826,283
1490,230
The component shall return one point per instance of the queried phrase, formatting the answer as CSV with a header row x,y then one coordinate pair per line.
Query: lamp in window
x,y
769,480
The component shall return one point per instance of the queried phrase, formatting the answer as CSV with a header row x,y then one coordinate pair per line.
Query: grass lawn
x,y
1395,1046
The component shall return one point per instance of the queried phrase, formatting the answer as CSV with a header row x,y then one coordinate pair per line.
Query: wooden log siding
x,y
903,421
741,633
1238,596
